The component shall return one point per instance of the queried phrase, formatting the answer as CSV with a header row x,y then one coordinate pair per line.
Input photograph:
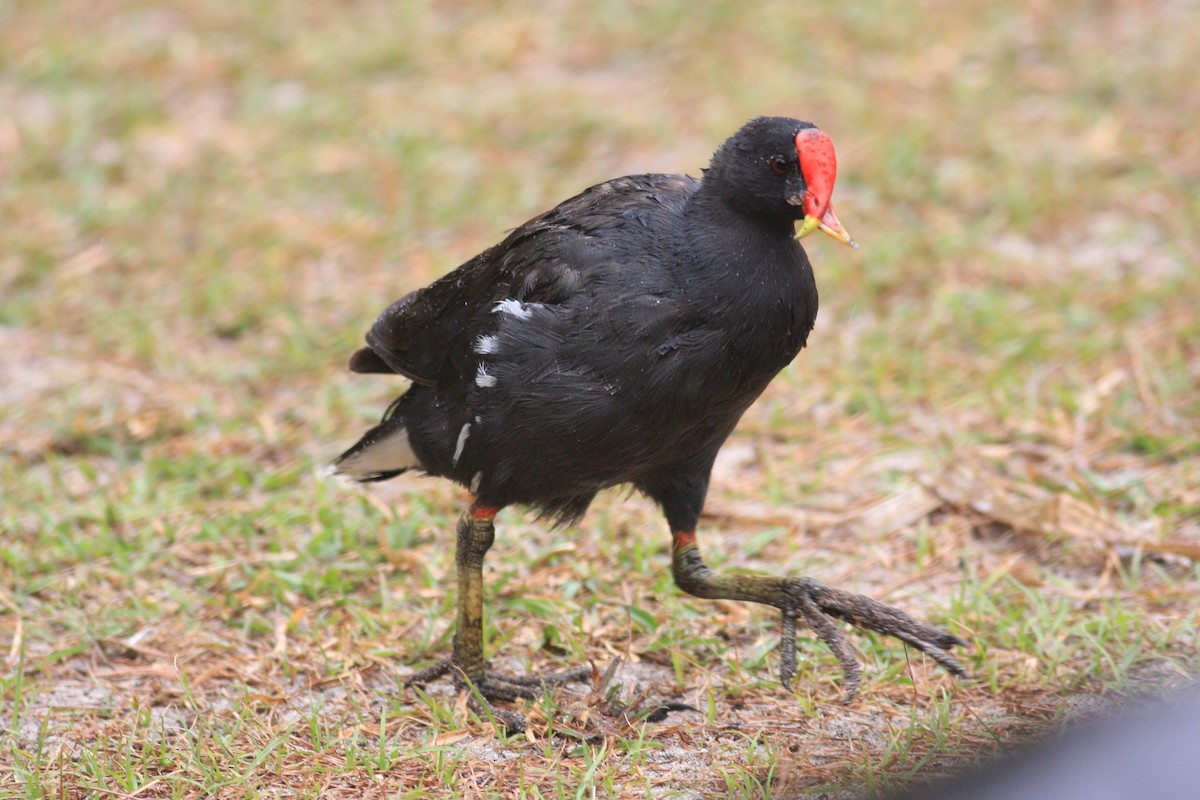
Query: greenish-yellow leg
x,y
476,532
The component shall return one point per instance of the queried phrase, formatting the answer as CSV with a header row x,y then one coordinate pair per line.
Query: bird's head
x,y
781,168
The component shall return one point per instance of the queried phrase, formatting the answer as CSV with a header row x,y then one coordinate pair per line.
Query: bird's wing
x,y
546,260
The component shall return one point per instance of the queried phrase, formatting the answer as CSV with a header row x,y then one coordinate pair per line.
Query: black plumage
x,y
615,339
651,314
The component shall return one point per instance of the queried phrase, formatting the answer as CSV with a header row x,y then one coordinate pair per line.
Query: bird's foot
x,y
498,685
491,686
816,604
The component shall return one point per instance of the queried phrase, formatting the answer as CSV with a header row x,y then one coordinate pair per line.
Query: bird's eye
x,y
779,165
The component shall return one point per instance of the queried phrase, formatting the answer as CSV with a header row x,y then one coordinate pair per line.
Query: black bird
x,y
617,339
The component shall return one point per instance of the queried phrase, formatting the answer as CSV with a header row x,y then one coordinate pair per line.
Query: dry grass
x,y
203,204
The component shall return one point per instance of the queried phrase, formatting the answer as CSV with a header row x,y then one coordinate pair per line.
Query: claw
x,y
659,713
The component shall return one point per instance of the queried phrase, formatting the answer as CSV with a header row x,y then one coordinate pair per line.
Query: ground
x,y
205,205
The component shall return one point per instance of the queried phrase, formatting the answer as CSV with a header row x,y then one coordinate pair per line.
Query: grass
x,y
204,205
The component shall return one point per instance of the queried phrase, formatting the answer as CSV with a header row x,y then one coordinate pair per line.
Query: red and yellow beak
x,y
818,165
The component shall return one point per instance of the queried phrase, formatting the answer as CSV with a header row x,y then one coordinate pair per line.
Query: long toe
x,y
512,721
863,612
816,604
576,675
430,673
504,689
500,686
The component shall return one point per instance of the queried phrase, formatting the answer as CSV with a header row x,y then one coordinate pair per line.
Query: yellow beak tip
x,y
829,225
807,226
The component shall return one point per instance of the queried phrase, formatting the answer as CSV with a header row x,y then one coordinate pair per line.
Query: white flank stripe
x,y
487,345
482,379
462,442
475,481
389,453
514,307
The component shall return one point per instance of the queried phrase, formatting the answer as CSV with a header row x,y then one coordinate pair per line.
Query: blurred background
x,y
200,186
203,205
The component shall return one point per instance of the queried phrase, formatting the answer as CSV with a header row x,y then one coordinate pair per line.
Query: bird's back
x,y
548,260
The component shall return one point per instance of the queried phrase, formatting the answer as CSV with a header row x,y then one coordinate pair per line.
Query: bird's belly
x,y
571,439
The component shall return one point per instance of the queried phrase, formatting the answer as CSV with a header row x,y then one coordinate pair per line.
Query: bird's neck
x,y
734,241
710,205
751,270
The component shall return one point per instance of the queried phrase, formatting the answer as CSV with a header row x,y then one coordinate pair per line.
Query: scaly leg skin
x,y
815,604
466,665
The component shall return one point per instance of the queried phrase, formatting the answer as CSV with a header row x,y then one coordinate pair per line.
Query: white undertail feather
x,y
461,443
388,454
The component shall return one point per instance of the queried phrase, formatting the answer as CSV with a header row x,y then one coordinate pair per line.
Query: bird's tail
x,y
383,452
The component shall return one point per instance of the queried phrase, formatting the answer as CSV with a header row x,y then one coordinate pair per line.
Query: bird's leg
x,y
476,533
816,605
467,665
